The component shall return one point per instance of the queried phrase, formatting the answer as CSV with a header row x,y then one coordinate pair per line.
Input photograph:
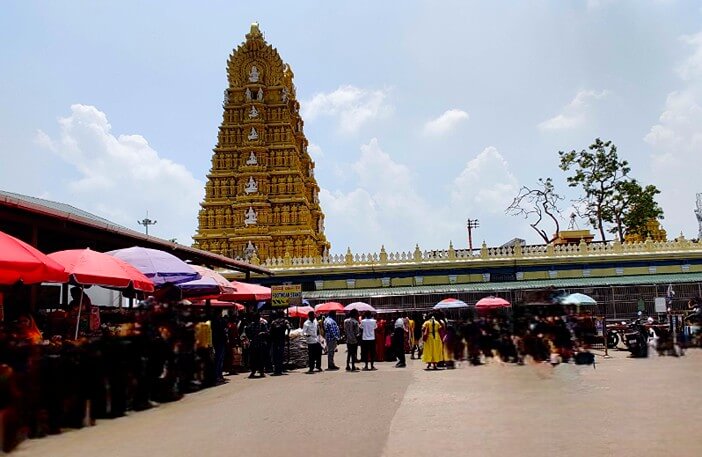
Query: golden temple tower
x,y
261,197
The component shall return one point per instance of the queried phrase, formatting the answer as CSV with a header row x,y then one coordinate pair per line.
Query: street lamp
x,y
146,222
470,225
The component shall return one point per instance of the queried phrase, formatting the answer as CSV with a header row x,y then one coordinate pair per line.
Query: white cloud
x,y
121,177
691,69
446,122
353,107
315,151
575,113
387,207
676,141
486,183
384,199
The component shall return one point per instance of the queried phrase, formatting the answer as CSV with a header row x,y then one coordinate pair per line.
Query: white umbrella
x,y
360,307
578,299
451,303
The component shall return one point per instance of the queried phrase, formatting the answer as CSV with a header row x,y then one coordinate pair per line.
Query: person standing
x,y
331,331
257,333
351,330
279,333
310,331
398,342
433,348
368,326
219,342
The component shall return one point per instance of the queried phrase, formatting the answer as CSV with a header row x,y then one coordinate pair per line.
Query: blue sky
x,y
421,114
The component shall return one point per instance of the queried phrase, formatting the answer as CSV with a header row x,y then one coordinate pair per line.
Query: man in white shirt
x,y
368,326
314,350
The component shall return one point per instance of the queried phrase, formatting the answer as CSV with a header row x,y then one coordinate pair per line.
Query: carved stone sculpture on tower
x,y
250,250
698,213
251,217
253,74
284,95
248,94
252,159
251,186
253,134
253,112
260,94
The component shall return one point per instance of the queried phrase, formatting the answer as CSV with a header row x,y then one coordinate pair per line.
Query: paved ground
x,y
624,407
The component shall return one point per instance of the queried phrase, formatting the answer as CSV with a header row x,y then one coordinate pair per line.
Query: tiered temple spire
x,y
261,196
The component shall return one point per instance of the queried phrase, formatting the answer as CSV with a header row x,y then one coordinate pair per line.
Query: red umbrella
x,y
299,311
329,306
88,267
21,262
247,292
221,304
492,303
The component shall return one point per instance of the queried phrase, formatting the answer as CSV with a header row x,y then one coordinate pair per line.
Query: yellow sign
x,y
286,295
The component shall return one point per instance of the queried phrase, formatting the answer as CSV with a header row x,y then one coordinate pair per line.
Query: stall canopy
x,y
87,267
21,262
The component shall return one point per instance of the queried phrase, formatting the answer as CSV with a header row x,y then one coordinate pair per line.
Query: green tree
x,y
538,203
641,208
598,171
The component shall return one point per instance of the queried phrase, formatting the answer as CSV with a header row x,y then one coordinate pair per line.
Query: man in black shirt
x,y
280,328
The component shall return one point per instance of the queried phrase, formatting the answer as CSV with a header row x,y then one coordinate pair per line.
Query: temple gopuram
x,y
261,197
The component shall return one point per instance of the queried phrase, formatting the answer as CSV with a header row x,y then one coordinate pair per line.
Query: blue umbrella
x,y
159,266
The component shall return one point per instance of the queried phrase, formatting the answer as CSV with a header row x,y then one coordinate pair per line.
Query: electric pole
x,y
146,222
470,225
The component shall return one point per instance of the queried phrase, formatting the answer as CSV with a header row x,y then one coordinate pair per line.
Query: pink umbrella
x,y
492,303
299,311
247,292
360,307
329,306
88,267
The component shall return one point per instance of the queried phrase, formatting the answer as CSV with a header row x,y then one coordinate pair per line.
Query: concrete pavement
x,y
624,407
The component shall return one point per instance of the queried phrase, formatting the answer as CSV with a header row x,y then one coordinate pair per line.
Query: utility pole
x,y
146,222
470,225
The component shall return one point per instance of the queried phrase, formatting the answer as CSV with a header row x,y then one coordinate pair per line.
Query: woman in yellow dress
x,y
433,347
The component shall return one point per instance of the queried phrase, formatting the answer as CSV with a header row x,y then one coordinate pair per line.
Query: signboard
x,y
286,295
660,305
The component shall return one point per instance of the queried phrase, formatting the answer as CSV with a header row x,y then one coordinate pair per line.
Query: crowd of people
x,y
438,341
442,342
134,359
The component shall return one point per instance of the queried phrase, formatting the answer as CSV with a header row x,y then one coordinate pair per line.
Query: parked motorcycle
x,y
636,339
